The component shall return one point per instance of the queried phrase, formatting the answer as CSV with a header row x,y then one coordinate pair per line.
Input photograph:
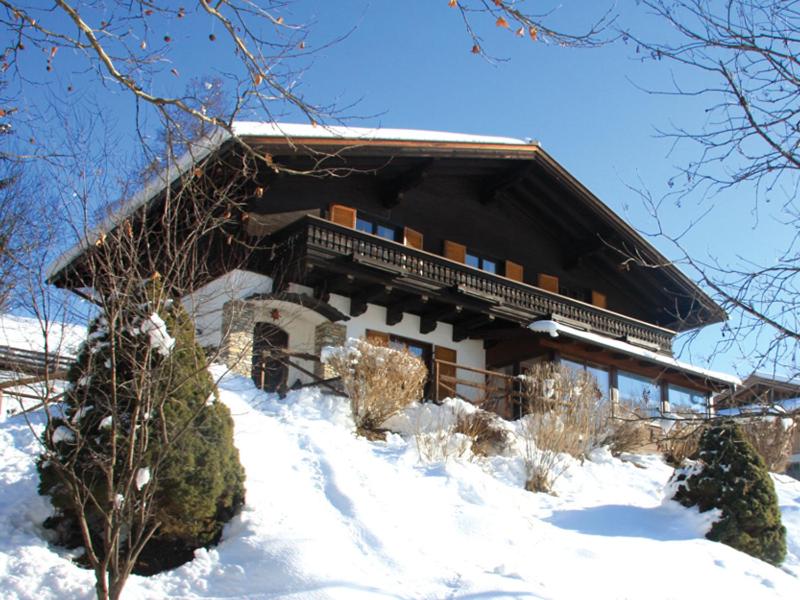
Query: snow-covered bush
x,y
489,437
140,466
730,476
379,381
565,415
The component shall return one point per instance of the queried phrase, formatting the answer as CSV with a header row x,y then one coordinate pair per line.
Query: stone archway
x,y
308,324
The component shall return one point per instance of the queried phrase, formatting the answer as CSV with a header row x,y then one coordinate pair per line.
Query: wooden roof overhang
x,y
529,177
524,173
758,389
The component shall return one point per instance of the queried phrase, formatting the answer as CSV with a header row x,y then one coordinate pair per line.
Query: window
x,y
683,399
636,389
600,374
479,262
368,225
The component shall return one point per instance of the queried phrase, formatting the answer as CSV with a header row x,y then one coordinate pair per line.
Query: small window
x,y
390,233
369,226
364,225
480,262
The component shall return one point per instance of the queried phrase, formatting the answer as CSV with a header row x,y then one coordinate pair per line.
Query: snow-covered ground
x,y
331,515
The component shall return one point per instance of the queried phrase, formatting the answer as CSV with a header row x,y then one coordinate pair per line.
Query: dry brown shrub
x,y
379,381
488,436
627,429
772,439
565,416
681,442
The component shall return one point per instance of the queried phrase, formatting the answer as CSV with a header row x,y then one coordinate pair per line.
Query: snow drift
x,y
332,515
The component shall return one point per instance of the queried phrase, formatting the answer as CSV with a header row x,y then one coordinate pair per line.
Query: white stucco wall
x,y
470,352
205,304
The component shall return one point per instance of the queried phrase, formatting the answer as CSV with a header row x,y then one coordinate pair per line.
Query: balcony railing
x,y
422,270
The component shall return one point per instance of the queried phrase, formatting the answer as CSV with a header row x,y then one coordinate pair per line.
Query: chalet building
x,y
481,255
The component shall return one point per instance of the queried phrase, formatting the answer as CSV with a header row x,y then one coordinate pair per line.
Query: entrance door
x,y
269,371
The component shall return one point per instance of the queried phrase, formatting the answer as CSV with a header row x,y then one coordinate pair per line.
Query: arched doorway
x,y
269,371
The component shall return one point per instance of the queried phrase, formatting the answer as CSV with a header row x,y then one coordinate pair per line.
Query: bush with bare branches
x,y
379,381
772,439
565,416
682,441
489,437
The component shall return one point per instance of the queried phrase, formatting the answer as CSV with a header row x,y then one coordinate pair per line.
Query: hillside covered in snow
x,y
332,515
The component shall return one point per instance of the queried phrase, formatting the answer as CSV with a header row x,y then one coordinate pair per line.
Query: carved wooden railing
x,y
517,300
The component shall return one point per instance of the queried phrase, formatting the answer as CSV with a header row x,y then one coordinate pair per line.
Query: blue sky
x,y
408,64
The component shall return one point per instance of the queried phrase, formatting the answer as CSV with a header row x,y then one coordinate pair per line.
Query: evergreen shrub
x,y
729,475
143,380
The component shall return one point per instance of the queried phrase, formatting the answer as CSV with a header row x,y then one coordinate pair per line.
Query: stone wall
x,y
327,334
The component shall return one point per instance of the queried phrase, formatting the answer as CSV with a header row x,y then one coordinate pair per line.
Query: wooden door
x,y
446,373
269,372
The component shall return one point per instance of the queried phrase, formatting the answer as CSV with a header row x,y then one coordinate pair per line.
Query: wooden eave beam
x,y
394,311
505,181
359,301
462,330
395,190
429,321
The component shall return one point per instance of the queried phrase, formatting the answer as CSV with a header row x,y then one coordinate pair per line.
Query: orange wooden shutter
x,y
377,338
548,282
412,238
343,215
453,251
514,271
445,386
598,299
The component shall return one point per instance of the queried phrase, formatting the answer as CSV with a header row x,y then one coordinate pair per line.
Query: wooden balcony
x,y
312,243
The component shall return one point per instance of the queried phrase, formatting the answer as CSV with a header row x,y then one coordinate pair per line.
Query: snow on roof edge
x,y
304,130
553,328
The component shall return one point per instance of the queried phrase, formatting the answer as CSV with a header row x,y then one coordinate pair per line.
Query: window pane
x,y
572,365
603,379
490,266
683,399
386,232
364,225
415,350
635,389
473,261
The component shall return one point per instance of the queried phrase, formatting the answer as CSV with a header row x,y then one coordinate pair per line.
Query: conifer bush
x,y
729,475
142,442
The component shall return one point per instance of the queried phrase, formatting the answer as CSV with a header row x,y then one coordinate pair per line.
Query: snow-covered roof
x,y
372,134
255,129
554,329
26,333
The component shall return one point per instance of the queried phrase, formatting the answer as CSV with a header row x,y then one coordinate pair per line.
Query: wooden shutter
x,y
598,299
412,238
377,338
343,215
444,387
456,252
514,271
548,282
